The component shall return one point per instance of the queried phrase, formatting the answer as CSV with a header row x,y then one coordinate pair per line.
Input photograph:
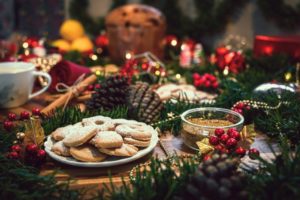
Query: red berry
x,y
248,108
240,151
231,142
224,138
97,86
213,140
31,148
240,105
253,153
8,125
17,148
36,111
207,84
215,85
207,157
13,155
196,76
234,134
224,150
219,148
12,116
41,154
231,130
90,87
24,115
219,132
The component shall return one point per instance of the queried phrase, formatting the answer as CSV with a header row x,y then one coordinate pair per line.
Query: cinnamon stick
x,y
70,94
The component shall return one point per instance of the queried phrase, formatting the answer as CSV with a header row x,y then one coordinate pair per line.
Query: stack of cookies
x,y
96,138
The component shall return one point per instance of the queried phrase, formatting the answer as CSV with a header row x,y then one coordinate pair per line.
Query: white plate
x,y
111,161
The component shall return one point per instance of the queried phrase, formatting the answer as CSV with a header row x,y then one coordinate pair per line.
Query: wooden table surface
x,y
96,177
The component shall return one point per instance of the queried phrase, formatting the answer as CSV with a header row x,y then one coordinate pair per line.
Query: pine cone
x,y
113,92
216,178
144,104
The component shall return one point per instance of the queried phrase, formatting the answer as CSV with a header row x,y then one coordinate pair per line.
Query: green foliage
x,y
72,115
279,178
21,182
282,121
160,182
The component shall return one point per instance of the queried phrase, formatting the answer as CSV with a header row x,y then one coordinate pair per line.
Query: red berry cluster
x,y
207,81
240,108
32,154
8,124
228,142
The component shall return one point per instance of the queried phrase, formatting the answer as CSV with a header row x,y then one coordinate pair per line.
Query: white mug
x,y
16,83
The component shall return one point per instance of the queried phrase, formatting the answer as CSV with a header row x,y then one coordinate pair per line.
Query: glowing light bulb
x,y
178,76
226,71
94,57
128,56
173,42
157,73
288,76
25,45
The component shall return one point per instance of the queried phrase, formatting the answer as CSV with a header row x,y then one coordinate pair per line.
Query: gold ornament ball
x,y
71,30
62,44
82,44
20,135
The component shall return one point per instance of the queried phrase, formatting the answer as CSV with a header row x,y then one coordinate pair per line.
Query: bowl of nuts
x,y
200,123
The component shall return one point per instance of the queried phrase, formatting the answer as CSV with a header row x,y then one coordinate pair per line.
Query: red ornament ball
x,y
219,132
31,148
12,116
213,140
41,154
235,134
224,138
36,111
231,142
253,153
8,125
16,148
240,151
24,115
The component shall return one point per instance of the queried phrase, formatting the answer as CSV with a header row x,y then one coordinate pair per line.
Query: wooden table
x,y
94,178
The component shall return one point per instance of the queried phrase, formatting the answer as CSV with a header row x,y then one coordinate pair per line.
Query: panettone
x,y
135,28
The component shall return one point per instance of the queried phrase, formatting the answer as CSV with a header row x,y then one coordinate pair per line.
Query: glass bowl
x,y
200,123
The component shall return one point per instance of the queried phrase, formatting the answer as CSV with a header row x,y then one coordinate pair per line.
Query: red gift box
x,y
269,45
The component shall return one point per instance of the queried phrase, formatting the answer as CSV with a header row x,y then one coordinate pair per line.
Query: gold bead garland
x,y
260,104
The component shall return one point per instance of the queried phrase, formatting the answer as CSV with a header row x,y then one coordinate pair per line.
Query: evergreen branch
x,y
21,182
72,115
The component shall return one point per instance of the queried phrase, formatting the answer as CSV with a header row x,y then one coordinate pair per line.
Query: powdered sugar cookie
x,y
126,150
107,139
137,143
79,136
87,153
61,133
102,123
137,131
60,149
